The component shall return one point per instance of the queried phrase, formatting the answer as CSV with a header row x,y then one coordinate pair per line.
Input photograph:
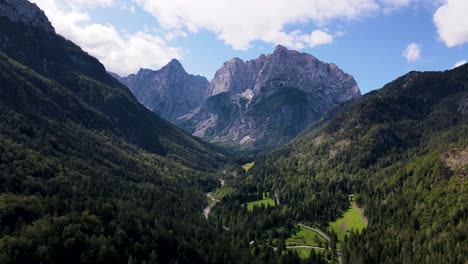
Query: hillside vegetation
x,y
401,150
88,175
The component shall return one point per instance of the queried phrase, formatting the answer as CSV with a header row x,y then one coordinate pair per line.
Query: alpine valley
x,y
91,171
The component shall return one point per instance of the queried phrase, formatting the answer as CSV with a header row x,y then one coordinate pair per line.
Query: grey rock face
x,y
284,68
267,101
25,12
463,106
171,91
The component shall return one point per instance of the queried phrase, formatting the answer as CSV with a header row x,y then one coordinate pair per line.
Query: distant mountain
x,y
171,91
267,101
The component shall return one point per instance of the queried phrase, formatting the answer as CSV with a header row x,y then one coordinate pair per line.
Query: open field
x,y
353,219
248,166
267,201
306,237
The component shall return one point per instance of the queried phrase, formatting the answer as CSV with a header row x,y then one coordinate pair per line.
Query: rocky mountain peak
x,y
280,48
269,100
25,12
170,91
231,77
174,64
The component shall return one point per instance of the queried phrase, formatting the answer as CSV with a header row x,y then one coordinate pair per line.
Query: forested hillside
x,y
402,151
87,174
58,59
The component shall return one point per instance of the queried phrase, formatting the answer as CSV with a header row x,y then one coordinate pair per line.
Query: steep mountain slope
x,y
401,150
73,191
25,12
170,92
267,101
88,175
62,61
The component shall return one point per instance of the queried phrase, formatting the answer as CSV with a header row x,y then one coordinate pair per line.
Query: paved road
x,y
318,231
305,247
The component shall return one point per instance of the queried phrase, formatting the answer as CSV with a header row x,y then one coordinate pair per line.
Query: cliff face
x,y
267,101
171,91
25,12
284,68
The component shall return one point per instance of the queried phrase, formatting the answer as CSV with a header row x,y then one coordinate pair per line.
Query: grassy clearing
x,y
266,201
248,166
223,191
353,219
306,237
304,253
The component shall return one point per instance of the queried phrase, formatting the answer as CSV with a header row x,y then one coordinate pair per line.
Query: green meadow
x,y
353,219
248,166
266,201
306,237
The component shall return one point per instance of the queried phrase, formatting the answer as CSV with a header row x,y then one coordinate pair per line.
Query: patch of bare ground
x,y
456,158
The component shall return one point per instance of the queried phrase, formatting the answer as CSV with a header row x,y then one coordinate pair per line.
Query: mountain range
x,y
261,103
88,174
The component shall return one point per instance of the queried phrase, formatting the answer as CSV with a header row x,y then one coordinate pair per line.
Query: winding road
x,y
212,201
318,231
305,247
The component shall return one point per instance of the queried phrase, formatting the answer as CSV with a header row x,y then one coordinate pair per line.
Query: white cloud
x,y
452,22
122,53
458,64
319,37
240,22
412,52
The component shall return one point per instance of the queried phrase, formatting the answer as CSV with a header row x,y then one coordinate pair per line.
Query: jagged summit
x,y
174,63
170,91
280,48
269,100
25,12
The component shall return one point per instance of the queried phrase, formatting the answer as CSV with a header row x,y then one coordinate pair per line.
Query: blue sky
x,y
366,38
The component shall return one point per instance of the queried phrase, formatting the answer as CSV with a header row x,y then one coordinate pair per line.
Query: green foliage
x,y
305,237
266,201
80,83
389,148
352,220
87,174
248,166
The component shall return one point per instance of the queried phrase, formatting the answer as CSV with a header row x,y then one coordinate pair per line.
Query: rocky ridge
x,y
170,91
267,101
25,12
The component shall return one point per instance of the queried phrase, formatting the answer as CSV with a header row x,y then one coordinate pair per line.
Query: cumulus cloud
x,y
122,53
240,22
452,22
319,37
458,64
412,52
